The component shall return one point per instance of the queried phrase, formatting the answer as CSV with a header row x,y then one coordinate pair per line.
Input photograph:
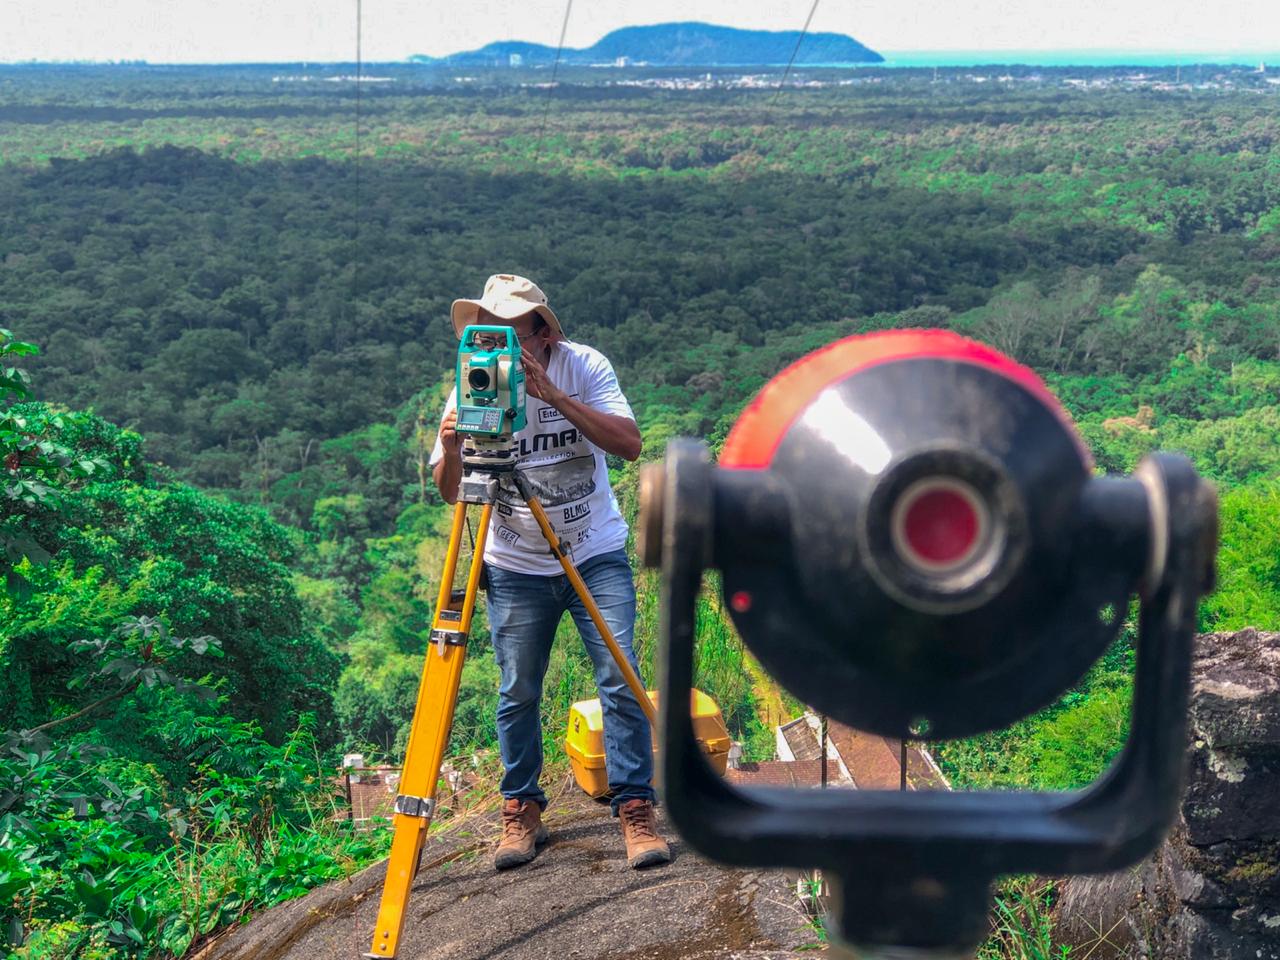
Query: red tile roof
x,y
781,773
373,792
875,762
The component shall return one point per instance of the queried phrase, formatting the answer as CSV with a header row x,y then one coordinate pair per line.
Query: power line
x,y
564,27
799,40
355,242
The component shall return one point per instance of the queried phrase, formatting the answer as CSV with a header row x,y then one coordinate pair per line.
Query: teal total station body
x,y
490,381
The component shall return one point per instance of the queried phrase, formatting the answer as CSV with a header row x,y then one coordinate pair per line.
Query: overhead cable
x,y
555,69
355,239
799,40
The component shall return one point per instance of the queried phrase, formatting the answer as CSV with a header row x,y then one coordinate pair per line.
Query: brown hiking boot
x,y
522,831
644,847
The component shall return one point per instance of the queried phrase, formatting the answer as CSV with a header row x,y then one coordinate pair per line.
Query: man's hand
x,y
449,438
610,432
448,470
537,383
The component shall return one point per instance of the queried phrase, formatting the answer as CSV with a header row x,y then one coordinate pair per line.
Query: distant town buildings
x,y
1225,79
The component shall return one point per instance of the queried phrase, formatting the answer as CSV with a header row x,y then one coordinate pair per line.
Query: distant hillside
x,y
679,45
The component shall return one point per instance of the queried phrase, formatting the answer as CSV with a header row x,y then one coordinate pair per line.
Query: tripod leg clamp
x,y
423,807
446,638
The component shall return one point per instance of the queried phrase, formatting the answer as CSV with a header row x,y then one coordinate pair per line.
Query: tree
x,y
35,467
1009,321
126,544
342,527
1070,309
1142,330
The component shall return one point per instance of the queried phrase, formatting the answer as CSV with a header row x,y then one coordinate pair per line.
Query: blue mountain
x,y
679,45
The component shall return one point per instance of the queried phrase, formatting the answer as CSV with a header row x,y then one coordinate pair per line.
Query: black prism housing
x,y
912,540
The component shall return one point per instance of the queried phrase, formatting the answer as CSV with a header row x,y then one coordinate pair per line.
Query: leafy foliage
x,y
1022,923
1248,591
35,467
193,259
104,858
129,774
1063,747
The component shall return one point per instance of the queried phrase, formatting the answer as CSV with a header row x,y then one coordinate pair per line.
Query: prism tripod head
x,y
911,538
491,407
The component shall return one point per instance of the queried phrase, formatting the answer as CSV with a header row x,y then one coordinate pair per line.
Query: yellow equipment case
x,y
584,740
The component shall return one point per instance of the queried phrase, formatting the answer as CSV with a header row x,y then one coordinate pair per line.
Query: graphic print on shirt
x,y
563,485
553,483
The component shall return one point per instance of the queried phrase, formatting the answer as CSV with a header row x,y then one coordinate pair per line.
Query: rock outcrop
x,y
578,899
1212,891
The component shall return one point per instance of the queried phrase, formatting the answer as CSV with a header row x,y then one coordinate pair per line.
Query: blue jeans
x,y
524,611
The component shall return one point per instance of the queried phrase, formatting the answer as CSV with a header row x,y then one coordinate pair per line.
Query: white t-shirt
x,y
565,470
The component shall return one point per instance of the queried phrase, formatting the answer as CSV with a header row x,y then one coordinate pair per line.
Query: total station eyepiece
x,y
911,538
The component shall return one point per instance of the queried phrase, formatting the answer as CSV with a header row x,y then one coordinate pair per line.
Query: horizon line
x,y
408,59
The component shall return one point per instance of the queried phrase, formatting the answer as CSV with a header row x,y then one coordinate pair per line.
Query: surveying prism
x,y
490,410
911,538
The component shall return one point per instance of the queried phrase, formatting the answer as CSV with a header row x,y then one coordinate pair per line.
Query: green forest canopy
x,y
251,352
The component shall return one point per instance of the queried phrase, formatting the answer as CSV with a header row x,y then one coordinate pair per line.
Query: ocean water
x,y
1077,58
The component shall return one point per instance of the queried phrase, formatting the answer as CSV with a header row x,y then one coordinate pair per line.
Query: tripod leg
x,y
580,587
429,734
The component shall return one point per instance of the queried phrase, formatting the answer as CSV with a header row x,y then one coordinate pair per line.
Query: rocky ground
x,y
1212,891
578,899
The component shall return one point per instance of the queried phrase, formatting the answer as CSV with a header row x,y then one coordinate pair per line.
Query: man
x,y
576,413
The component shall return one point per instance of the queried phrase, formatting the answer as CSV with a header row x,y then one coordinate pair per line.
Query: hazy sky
x,y
276,30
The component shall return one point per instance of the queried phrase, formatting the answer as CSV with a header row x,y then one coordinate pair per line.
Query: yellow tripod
x,y
438,698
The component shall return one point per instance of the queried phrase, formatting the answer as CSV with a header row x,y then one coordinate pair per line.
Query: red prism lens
x,y
939,524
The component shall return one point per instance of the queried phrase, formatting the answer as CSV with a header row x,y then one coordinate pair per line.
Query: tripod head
x,y
491,406
911,539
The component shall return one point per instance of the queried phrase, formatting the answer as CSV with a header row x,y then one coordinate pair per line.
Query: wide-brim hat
x,y
506,296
